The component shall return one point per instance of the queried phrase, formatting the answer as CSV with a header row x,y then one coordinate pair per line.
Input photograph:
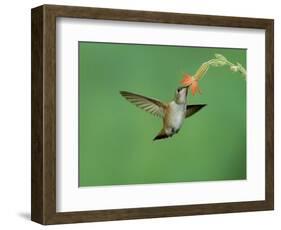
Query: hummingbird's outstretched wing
x,y
150,105
192,109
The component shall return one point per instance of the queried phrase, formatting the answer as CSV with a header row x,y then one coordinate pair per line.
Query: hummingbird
x,y
173,113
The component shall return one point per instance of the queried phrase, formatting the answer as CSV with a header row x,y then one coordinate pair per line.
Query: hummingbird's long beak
x,y
181,88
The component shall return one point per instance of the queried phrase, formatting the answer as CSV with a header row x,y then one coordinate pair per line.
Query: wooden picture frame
x,y
43,189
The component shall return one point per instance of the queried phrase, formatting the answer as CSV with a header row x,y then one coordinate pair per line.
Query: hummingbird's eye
x,y
178,90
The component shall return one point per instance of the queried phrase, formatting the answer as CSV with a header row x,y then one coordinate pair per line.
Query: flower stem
x,y
218,61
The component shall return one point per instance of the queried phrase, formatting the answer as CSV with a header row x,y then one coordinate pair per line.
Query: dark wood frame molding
x,y
43,159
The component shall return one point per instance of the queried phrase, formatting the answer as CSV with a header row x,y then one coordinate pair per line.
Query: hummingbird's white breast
x,y
175,117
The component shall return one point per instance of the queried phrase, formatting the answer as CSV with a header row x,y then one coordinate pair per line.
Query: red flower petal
x,y
195,88
187,80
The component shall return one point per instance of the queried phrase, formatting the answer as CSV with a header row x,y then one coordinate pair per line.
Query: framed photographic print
x,y
140,114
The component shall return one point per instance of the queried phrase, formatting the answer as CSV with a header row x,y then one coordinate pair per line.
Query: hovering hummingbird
x,y
173,113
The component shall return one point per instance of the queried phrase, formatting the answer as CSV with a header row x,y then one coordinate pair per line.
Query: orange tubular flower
x,y
192,82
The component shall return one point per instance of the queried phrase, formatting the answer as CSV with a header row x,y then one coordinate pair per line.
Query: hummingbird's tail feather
x,y
161,135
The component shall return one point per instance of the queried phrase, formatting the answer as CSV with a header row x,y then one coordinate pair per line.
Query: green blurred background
x,y
115,137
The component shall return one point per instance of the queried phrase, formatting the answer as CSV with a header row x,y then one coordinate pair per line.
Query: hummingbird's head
x,y
181,93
